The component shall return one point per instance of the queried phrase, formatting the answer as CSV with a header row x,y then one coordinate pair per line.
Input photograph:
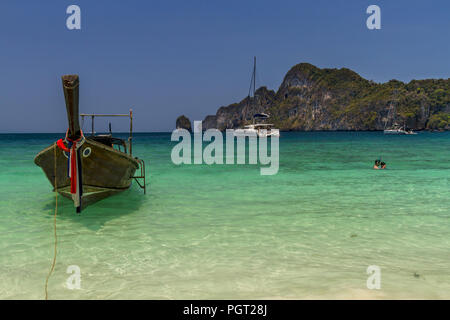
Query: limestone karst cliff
x,y
311,98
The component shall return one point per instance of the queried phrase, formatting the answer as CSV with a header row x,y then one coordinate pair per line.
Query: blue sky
x,y
167,58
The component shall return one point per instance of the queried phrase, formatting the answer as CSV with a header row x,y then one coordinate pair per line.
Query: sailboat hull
x,y
106,171
394,131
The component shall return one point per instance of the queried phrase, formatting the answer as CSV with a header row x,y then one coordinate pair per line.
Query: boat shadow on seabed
x,y
95,216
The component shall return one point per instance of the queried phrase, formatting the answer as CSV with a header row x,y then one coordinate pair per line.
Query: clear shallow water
x,y
215,232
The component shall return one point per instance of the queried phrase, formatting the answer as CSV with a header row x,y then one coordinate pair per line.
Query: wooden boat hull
x,y
106,171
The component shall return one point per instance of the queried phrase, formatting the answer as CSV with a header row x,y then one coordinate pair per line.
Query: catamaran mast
x,y
393,110
253,84
254,76
388,116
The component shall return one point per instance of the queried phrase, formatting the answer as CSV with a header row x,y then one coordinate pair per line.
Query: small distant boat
x,y
99,166
399,130
410,132
261,129
395,128
394,131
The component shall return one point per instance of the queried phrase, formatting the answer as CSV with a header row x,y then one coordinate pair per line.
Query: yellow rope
x,y
54,228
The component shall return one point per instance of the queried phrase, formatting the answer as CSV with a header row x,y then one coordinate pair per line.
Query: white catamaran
x,y
259,128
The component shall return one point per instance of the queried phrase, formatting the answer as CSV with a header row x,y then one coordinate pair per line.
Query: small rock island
x,y
183,122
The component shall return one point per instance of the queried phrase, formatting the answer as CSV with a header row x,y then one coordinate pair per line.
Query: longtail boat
x,y
89,168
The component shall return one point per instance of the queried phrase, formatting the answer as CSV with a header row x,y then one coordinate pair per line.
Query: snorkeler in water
x,y
377,164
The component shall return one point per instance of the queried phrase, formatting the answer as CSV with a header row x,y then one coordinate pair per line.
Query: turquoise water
x,y
216,232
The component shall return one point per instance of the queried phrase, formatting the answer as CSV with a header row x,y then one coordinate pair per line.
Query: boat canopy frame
x,y
130,115
140,179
